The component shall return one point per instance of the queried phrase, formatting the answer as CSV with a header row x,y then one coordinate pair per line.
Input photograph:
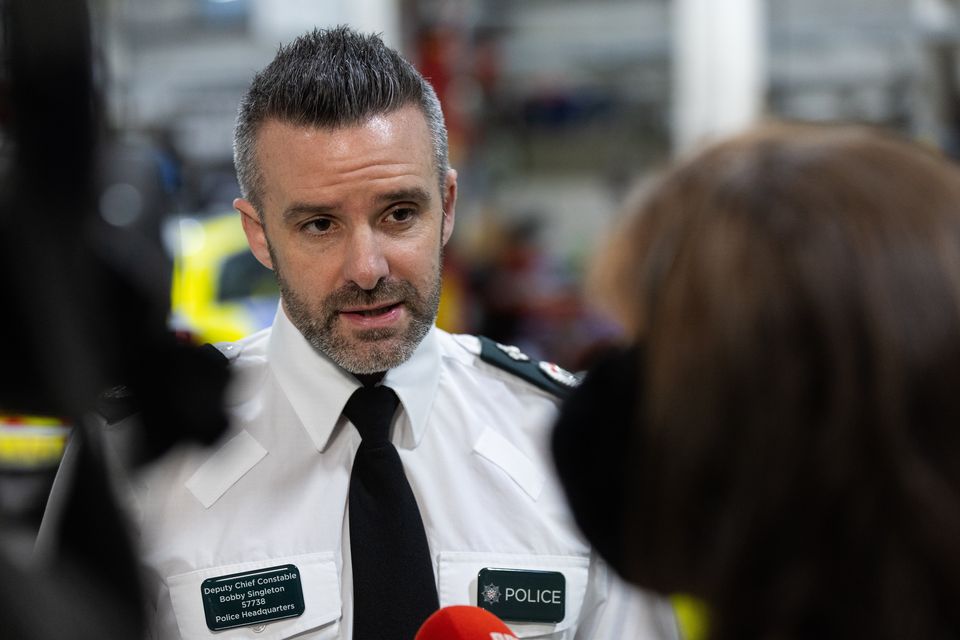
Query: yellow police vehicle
x,y
220,292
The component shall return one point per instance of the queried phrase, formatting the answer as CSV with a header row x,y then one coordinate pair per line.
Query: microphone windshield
x,y
461,622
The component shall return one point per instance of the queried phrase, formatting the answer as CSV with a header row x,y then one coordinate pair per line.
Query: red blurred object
x,y
461,622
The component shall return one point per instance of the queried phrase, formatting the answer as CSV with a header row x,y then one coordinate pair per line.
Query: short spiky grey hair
x,y
331,78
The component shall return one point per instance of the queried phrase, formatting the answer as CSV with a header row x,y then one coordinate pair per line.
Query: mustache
x,y
386,291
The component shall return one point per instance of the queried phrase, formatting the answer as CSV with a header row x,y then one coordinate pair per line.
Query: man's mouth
x,y
372,312
378,316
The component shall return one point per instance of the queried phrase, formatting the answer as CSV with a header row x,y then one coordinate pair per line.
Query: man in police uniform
x,y
347,195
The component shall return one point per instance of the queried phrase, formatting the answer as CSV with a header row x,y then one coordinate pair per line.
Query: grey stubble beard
x,y
368,351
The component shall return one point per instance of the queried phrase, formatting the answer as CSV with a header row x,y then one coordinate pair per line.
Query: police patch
x,y
526,596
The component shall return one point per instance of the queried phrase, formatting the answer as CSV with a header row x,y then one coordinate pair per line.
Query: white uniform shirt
x,y
474,444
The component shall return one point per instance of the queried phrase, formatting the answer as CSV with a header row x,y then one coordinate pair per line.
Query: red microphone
x,y
461,622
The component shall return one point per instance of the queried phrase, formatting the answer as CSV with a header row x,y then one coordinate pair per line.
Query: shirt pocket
x,y
319,579
457,580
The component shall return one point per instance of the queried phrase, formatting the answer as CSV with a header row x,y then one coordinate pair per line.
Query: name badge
x,y
517,595
252,597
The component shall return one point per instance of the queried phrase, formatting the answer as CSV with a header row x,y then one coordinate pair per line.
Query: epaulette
x,y
120,402
542,374
116,404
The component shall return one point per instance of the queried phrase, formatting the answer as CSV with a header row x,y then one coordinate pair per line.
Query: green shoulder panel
x,y
545,375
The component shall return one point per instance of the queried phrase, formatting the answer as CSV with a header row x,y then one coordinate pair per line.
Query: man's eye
x,y
321,225
402,214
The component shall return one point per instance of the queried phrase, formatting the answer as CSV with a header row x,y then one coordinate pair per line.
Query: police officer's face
x,y
353,226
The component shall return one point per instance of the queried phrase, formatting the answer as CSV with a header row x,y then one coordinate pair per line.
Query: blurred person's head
x,y
341,154
789,415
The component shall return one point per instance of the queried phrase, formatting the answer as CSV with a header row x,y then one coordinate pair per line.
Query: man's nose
x,y
365,262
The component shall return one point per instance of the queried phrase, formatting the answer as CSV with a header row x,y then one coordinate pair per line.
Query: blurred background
x,y
554,109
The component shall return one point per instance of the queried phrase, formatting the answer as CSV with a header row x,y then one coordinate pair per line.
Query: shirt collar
x,y
318,389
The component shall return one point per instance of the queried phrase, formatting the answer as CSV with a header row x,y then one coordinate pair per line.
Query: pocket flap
x,y
319,580
222,469
503,453
457,578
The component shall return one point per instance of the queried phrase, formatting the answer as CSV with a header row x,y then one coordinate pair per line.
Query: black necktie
x,y
393,585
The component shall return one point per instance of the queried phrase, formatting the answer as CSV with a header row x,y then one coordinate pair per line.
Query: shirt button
x,y
258,628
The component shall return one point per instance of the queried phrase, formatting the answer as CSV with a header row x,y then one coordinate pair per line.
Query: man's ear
x,y
449,197
256,234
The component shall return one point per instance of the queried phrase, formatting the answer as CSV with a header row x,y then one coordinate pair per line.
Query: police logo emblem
x,y
513,352
559,374
491,593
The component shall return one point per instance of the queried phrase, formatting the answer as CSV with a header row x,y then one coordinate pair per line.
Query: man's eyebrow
x,y
299,209
414,194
